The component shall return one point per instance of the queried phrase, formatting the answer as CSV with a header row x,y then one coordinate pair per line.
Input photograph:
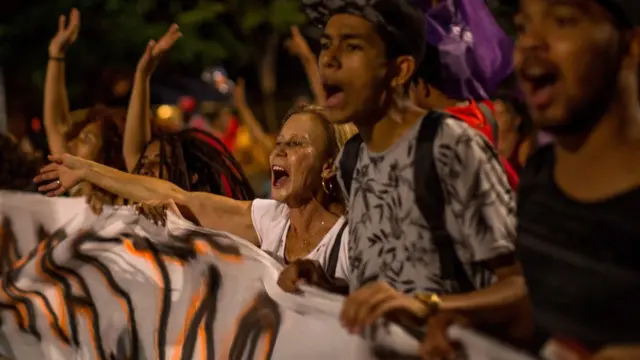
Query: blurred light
x,y
36,124
243,138
164,112
187,104
219,79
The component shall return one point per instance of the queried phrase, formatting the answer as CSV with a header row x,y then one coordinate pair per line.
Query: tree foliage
x,y
114,33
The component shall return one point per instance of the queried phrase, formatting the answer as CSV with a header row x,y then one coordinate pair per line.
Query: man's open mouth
x,y
335,95
540,85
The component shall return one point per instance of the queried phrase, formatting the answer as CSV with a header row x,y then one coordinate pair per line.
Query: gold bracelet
x,y
431,301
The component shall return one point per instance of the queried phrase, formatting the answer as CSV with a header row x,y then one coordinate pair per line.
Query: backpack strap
x,y
332,265
491,119
349,160
431,202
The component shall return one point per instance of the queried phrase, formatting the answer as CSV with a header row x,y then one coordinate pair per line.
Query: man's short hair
x,y
400,25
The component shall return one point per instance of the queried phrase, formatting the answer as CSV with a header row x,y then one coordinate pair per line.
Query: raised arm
x,y
249,119
56,102
209,210
137,131
298,46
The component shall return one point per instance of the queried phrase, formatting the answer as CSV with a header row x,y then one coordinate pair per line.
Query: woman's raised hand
x,y
64,172
157,210
155,50
67,34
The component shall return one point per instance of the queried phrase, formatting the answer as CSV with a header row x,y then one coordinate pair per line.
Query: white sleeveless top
x,y
271,221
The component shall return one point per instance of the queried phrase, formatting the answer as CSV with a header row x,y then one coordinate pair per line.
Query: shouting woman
x,y
305,219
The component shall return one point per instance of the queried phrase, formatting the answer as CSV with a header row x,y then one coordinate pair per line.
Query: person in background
x,y
518,140
253,144
298,46
138,129
98,137
192,159
578,65
16,166
426,92
304,219
218,119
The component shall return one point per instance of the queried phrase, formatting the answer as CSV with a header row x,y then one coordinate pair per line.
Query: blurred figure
x,y
98,137
16,166
138,129
298,46
426,92
579,199
253,144
191,159
517,139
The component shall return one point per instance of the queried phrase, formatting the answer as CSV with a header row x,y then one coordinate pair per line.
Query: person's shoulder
x,y
268,210
455,130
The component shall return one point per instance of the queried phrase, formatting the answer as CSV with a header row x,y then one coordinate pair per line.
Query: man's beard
x,y
583,117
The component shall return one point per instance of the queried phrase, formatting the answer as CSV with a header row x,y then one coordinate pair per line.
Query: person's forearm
x,y
137,131
135,188
493,305
55,114
310,63
248,118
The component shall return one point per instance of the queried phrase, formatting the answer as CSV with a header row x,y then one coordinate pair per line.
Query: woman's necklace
x,y
302,246
305,240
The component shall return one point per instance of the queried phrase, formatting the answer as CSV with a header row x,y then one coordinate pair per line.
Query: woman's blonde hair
x,y
337,134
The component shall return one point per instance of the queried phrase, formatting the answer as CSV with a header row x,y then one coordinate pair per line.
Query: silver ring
x,y
58,182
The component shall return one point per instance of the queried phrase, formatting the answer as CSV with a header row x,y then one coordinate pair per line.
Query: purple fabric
x,y
475,52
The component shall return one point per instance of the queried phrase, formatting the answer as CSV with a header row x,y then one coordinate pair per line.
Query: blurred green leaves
x,y
114,33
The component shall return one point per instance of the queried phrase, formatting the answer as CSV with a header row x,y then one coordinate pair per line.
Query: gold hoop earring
x,y
328,189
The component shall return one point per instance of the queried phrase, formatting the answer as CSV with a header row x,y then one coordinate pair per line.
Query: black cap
x,y
401,25
626,12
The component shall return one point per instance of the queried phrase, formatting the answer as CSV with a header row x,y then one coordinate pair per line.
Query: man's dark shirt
x,y
581,261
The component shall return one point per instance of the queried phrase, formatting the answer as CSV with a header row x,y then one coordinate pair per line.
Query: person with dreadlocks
x,y
305,219
194,160
98,136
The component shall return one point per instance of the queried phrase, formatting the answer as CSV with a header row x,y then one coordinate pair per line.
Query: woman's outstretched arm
x,y
211,211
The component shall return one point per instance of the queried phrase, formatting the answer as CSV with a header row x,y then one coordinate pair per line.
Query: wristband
x,y
56,58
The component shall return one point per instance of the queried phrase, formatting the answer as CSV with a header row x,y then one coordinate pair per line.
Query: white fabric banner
x,y
117,286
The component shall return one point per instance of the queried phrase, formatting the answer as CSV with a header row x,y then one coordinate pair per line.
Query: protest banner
x,y
117,286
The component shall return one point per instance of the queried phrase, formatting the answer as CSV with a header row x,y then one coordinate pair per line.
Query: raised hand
x,y
297,45
155,50
64,172
156,210
67,33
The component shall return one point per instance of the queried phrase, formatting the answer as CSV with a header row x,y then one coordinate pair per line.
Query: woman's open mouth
x,y
279,176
